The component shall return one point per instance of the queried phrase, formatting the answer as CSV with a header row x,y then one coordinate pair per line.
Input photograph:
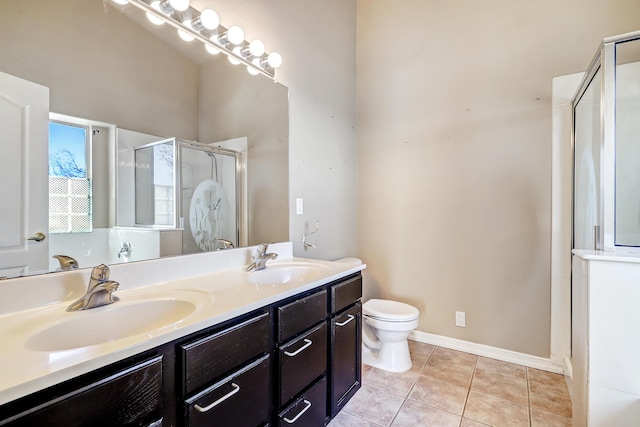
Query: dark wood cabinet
x,y
309,410
240,400
294,362
346,352
127,397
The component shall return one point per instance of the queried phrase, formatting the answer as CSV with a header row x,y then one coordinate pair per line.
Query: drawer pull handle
x,y
301,413
308,343
236,388
341,324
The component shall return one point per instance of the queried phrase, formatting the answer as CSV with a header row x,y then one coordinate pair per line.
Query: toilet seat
x,y
389,311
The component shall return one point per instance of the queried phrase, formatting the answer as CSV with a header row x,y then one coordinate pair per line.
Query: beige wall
x,y
235,104
454,155
317,43
83,51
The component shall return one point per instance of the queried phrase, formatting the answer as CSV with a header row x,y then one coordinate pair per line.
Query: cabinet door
x,y
240,400
302,361
309,410
346,353
132,397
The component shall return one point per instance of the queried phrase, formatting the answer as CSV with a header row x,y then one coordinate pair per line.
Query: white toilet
x,y
385,330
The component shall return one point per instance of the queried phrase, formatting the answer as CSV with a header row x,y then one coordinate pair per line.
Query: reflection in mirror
x,y
155,189
627,187
102,65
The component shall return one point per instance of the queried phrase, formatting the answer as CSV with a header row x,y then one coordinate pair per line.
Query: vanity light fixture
x,y
169,6
205,27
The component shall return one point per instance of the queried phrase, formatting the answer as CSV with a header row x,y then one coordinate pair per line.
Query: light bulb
x,y
179,5
252,70
234,60
184,35
209,19
274,60
235,35
256,48
152,18
212,50
122,2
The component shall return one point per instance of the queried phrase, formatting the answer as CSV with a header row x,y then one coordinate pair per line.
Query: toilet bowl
x,y
385,328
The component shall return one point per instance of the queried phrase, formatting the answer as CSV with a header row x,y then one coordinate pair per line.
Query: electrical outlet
x,y
299,207
460,319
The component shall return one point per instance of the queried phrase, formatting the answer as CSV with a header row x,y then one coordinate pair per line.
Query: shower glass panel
x,y
627,149
210,198
586,193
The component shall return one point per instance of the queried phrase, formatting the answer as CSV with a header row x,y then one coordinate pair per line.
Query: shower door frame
x,y
604,60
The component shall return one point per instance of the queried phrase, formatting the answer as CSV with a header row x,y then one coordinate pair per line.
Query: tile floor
x,y
451,388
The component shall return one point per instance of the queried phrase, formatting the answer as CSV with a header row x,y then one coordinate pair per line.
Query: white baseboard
x,y
488,351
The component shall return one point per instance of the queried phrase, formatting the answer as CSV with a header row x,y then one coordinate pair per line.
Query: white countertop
x,y
216,283
633,257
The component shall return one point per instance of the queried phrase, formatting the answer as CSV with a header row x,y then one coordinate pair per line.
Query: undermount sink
x,y
295,272
110,323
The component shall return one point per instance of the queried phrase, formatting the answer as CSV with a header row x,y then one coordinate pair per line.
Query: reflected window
x,y
69,178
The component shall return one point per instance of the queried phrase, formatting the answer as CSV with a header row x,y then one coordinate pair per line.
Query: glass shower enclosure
x,y
192,187
606,148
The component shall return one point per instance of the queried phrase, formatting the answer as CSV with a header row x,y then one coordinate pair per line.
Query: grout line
x,y
526,373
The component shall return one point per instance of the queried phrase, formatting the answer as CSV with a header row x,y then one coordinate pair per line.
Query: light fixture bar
x,y
265,70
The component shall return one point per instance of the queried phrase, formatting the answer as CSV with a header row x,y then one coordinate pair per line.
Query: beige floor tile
x,y
440,394
547,419
499,366
365,370
399,383
449,370
509,386
414,414
496,412
374,405
547,378
550,398
416,347
418,360
344,419
454,356
466,422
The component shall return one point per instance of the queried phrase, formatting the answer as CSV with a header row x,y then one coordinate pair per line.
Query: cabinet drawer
x,y
211,357
302,361
242,399
301,314
346,293
309,410
131,397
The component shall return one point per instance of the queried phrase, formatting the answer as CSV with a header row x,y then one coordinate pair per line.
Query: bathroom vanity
x,y
279,348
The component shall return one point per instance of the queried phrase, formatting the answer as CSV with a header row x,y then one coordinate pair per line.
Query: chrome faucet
x,y
66,262
224,244
99,292
261,257
125,250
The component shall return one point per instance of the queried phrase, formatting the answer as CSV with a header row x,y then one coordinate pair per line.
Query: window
x,y
69,178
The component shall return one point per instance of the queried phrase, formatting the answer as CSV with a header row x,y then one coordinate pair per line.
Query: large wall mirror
x,y
122,78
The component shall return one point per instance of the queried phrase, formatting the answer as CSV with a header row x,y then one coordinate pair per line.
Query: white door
x,y
24,170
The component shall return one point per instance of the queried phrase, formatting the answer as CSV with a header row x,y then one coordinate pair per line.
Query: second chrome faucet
x,y
99,291
261,257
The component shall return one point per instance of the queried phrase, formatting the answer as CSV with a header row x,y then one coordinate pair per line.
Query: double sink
x,y
147,313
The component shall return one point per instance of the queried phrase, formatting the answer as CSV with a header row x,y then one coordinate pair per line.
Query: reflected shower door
x,y
586,192
209,199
